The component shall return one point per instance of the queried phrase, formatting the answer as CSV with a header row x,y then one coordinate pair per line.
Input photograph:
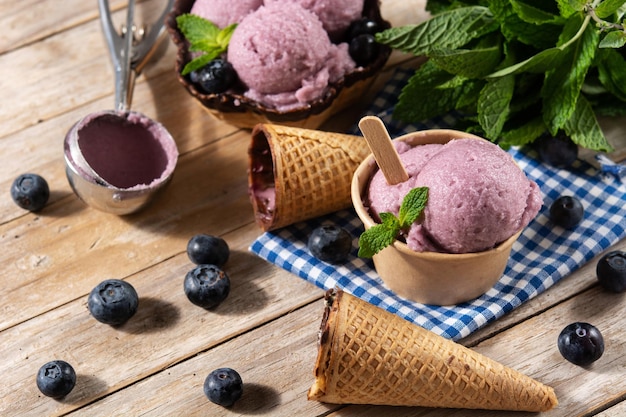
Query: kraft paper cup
x,y
431,277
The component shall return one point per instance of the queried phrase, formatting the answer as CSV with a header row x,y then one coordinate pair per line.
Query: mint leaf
x,y
378,237
562,84
450,29
612,73
614,39
493,105
412,206
524,134
471,63
203,36
583,128
607,7
531,14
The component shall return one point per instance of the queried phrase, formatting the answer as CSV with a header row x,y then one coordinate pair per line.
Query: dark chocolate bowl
x,y
235,108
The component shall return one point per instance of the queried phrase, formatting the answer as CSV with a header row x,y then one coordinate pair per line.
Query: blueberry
x,y
215,77
581,343
611,271
30,192
206,286
363,49
566,211
363,26
207,249
330,243
56,379
558,151
113,302
223,386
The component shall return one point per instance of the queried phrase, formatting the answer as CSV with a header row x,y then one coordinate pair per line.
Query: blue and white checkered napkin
x,y
543,255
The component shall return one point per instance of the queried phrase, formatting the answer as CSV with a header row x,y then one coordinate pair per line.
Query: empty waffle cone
x,y
370,356
297,174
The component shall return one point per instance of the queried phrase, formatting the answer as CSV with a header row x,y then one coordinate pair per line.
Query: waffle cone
x,y
370,356
297,174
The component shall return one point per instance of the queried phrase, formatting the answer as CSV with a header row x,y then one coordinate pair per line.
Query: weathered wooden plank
x,y
166,330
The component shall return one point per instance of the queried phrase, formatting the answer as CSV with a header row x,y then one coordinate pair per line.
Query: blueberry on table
x,y
567,212
611,271
30,192
223,386
330,243
363,49
56,379
215,77
206,286
113,302
207,249
559,151
581,343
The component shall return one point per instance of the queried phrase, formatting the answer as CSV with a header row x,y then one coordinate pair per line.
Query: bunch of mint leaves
x,y
378,237
518,69
205,38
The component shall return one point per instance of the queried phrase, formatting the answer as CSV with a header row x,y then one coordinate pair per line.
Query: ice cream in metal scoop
x,y
117,160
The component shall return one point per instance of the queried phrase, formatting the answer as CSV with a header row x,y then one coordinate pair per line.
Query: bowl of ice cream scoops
x,y
479,201
292,58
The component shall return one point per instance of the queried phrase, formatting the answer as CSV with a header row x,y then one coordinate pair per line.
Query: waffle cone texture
x,y
370,356
297,174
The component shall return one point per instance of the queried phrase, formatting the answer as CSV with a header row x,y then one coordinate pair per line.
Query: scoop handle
x,y
383,150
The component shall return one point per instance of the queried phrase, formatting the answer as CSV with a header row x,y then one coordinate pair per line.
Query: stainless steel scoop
x,y
116,160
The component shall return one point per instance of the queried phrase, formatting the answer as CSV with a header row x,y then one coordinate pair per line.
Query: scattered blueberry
x,y
581,343
207,249
363,26
215,77
30,192
223,386
206,286
558,151
611,271
363,49
566,211
113,302
330,243
56,379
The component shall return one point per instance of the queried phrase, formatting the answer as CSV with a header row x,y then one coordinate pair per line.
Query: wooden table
x,y
55,68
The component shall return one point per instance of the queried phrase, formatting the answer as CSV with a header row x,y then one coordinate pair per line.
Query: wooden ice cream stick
x,y
383,150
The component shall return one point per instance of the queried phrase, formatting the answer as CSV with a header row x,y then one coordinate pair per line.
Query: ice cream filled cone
x,y
297,174
370,356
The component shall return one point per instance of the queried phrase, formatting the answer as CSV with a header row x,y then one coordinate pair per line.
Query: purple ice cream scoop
x,y
335,15
224,12
285,58
478,196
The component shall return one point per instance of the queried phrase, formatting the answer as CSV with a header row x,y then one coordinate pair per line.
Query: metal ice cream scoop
x,y
116,160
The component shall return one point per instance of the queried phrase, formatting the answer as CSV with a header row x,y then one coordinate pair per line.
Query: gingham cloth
x,y
543,255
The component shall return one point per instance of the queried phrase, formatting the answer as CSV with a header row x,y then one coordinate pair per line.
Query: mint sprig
x,y
518,68
378,237
205,37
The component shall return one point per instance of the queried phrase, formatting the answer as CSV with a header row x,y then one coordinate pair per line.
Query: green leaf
x,y
448,30
514,28
195,28
583,128
612,72
541,62
412,206
562,84
607,7
614,39
531,14
493,105
378,237
470,63
203,36
524,134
